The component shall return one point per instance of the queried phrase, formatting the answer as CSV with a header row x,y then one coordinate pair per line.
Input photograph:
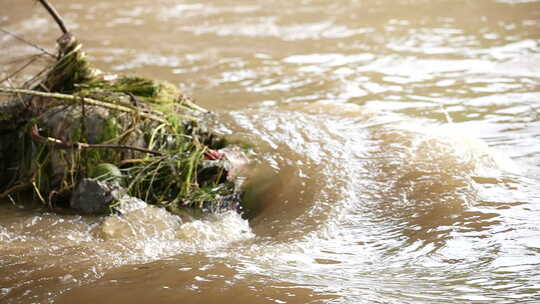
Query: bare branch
x,y
52,11
32,60
75,99
57,143
27,42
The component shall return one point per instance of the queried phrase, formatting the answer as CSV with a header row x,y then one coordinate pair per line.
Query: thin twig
x,y
31,83
36,190
20,69
190,103
83,133
21,99
52,11
15,188
57,143
27,42
83,120
74,99
24,58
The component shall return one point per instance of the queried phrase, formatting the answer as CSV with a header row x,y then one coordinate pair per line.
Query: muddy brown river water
x,y
398,153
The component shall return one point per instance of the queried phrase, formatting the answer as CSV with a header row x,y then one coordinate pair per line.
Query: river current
x,y
396,154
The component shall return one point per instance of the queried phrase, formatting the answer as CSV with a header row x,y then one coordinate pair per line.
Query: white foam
x,y
151,233
486,160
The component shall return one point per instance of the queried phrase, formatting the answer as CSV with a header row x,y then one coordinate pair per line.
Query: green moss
x,y
151,90
5,117
110,132
71,69
146,90
111,129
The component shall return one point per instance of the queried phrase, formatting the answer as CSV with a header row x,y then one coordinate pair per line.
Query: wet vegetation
x,y
131,136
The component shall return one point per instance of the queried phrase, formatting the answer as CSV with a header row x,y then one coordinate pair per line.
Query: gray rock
x,y
95,197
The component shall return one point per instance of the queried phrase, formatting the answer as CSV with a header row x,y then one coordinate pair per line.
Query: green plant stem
x,y
74,99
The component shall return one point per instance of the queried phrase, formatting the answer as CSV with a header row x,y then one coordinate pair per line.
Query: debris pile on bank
x,y
79,138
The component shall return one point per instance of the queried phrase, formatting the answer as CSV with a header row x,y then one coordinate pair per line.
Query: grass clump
x,y
79,122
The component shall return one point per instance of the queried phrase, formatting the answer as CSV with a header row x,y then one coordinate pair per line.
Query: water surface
x,y
397,152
